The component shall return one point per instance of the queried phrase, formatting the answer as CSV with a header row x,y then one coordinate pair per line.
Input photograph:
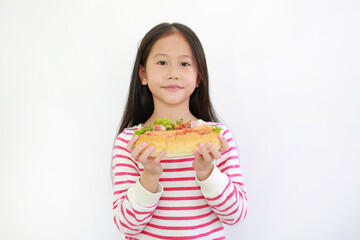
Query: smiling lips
x,y
173,87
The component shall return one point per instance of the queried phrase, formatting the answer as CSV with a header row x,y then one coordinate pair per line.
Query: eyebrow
x,y
166,55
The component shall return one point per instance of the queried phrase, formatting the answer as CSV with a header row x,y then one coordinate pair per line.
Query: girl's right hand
x,y
152,166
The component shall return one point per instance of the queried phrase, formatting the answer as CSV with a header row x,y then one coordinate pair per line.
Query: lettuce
x,y
217,129
168,124
144,129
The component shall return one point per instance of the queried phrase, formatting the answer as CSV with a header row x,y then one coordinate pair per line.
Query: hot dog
x,y
178,139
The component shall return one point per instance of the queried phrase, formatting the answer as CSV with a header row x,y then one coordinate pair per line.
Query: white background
x,y
284,77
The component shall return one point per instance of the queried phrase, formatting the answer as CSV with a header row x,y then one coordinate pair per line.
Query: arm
x,y
133,204
224,189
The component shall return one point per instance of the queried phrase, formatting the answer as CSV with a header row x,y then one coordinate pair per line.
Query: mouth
x,y
173,87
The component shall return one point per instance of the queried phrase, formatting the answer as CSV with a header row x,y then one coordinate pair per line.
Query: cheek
x,y
154,76
192,79
154,84
151,85
191,87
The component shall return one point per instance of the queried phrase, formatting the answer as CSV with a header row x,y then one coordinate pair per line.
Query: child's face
x,y
170,71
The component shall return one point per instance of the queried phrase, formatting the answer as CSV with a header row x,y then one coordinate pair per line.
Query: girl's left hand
x,y
206,155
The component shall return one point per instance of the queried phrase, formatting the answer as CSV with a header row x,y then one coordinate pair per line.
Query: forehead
x,y
172,45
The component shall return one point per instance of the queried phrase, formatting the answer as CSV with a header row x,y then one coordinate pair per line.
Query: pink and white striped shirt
x,y
183,207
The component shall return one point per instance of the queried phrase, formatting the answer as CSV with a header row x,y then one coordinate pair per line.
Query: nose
x,y
173,73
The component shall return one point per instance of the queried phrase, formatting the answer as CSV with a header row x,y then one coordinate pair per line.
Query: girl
x,y
178,198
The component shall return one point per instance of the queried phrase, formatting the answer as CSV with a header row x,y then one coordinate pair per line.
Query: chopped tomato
x,y
159,128
183,125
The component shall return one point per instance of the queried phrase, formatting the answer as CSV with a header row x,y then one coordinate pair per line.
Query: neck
x,y
173,112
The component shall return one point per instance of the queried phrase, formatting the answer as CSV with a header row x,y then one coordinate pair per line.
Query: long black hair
x,y
140,105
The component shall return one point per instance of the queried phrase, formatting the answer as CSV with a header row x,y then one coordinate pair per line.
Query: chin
x,y
174,101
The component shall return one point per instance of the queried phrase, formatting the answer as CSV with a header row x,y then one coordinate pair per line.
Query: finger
x,y
137,151
224,144
160,156
213,151
146,153
130,147
197,154
204,152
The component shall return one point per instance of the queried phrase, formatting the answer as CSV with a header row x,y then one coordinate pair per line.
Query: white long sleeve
x,y
182,207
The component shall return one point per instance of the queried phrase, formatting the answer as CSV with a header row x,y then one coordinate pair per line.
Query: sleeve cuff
x,y
145,198
214,184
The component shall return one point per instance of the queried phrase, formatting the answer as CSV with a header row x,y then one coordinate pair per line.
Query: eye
x,y
184,64
161,63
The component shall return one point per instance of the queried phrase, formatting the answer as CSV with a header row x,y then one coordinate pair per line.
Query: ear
x,y
142,75
198,80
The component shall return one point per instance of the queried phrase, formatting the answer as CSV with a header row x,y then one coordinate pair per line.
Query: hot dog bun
x,y
180,143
